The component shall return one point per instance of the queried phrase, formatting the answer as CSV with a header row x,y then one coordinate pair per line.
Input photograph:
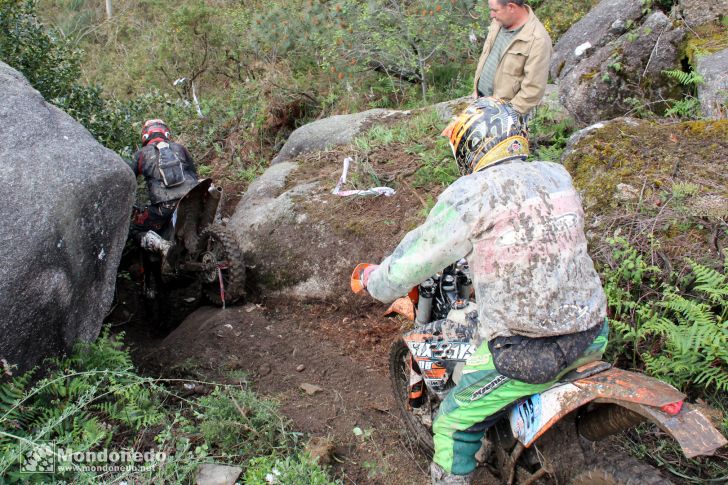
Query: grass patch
x,y
94,403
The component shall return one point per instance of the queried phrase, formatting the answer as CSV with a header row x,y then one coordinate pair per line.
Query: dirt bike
x,y
550,437
201,251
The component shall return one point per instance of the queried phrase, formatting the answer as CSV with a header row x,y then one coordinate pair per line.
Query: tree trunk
x,y
109,9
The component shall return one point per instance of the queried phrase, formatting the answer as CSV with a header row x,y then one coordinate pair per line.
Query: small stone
x,y
626,193
300,368
310,389
210,474
321,450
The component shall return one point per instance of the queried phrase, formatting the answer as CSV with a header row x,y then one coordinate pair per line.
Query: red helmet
x,y
154,130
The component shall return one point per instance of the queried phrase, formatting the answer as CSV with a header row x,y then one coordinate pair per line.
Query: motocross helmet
x,y
487,132
154,131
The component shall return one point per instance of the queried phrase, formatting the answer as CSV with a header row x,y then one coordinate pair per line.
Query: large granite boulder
x,y
625,73
301,241
65,212
697,12
604,23
713,91
328,132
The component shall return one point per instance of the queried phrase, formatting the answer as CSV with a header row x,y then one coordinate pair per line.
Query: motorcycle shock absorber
x,y
449,289
424,304
465,284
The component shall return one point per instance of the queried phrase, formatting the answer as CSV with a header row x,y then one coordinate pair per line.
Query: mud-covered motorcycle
x,y
202,251
550,437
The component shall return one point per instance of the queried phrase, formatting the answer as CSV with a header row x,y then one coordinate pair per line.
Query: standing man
x,y
514,65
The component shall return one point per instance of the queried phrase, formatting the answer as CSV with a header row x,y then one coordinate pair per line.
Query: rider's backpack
x,y
170,166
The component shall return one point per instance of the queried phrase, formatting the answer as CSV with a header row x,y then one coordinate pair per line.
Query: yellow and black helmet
x,y
487,132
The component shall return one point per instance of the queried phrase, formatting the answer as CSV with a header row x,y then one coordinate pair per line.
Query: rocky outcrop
x,y
647,181
326,133
290,250
697,12
604,23
342,129
624,73
65,213
713,91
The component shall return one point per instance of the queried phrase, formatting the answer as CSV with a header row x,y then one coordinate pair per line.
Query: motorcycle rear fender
x,y
641,394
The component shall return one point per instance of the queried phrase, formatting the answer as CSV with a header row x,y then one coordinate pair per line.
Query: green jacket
x,y
523,71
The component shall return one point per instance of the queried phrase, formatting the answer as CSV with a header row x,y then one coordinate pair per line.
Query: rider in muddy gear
x,y
170,173
541,306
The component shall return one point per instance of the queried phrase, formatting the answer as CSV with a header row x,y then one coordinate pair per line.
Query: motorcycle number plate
x,y
533,416
526,418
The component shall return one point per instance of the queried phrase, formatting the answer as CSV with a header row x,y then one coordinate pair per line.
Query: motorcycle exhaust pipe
x,y
606,421
424,304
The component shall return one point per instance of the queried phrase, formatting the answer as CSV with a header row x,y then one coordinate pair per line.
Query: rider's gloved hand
x,y
360,276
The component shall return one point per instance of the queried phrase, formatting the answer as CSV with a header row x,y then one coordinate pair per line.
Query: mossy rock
x,y
705,40
677,174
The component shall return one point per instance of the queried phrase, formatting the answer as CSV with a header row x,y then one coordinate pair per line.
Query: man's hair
x,y
520,3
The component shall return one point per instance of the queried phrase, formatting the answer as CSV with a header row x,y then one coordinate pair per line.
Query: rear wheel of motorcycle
x,y
399,356
618,469
220,255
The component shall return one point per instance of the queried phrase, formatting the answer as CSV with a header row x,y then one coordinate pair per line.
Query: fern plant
x,y
679,332
691,78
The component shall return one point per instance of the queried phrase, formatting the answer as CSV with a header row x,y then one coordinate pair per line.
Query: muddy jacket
x,y
523,71
145,162
521,227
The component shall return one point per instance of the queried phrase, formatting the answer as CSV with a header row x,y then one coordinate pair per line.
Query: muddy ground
x,y
343,351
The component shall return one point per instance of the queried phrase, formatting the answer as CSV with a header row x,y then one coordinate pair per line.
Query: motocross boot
x,y
441,477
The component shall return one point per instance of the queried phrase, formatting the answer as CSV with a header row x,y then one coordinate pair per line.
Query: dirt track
x,y
344,352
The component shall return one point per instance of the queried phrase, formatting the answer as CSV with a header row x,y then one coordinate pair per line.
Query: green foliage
x,y
438,166
49,63
94,401
557,16
549,132
679,330
692,78
53,66
298,469
240,423
689,106
403,39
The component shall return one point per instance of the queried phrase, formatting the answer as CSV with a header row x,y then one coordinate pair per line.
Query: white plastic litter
x,y
385,191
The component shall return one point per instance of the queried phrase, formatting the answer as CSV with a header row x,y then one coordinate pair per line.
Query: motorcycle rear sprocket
x,y
399,355
219,243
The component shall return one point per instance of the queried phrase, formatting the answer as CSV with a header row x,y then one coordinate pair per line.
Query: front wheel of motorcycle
x,y
220,256
618,468
399,374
